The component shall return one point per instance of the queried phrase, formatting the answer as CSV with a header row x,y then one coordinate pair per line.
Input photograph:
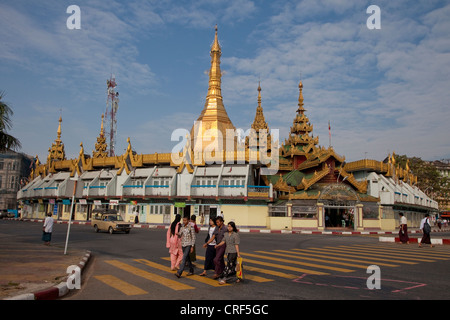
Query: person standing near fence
x,y
425,226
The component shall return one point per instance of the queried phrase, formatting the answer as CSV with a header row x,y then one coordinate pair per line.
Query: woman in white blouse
x,y
210,243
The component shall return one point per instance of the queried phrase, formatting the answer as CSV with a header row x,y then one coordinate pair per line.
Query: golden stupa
x,y
209,132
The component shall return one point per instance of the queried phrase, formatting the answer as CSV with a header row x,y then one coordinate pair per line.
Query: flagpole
x,y
329,132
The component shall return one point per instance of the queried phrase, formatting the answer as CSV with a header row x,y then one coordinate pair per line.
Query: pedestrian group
x,y
220,240
425,228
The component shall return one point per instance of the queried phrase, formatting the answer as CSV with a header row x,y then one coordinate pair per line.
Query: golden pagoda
x,y
101,146
213,121
56,151
300,143
306,168
259,126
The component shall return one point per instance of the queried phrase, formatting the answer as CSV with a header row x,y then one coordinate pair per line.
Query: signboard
x,y
66,201
180,204
114,202
83,201
55,210
97,202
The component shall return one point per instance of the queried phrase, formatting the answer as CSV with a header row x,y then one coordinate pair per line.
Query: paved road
x,y
135,266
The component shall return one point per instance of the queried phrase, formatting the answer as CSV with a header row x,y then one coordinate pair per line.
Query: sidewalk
x,y
36,271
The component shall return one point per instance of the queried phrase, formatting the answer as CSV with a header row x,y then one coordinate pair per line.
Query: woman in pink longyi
x,y
174,244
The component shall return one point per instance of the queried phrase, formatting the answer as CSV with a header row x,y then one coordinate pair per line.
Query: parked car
x,y
109,220
3,214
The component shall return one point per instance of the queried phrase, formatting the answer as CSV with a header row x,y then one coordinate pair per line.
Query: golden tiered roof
x,y
305,166
213,120
300,142
101,146
56,151
259,126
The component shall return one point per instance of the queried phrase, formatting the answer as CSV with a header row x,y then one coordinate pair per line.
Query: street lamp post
x,y
71,210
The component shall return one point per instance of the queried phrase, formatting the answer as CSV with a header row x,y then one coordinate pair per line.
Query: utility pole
x,y
71,210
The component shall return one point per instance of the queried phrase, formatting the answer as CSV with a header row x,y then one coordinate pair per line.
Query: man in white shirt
x,y
47,229
425,227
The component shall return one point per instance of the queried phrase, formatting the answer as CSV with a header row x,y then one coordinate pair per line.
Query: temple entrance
x,y
339,202
339,218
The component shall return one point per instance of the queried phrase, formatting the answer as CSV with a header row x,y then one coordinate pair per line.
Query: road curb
x,y
414,240
56,291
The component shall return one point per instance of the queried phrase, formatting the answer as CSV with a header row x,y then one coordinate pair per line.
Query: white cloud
x,y
382,90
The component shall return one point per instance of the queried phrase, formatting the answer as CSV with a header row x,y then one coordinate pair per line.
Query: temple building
x,y
256,182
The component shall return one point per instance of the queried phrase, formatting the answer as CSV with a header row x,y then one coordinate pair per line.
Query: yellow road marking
x,y
337,258
355,254
267,271
380,253
121,285
298,262
413,246
316,260
172,284
418,252
284,267
194,277
249,276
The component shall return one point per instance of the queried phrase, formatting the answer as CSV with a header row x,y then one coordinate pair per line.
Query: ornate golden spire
x,y
58,133
300,99
56,151
100,146
214,117
299,141
259,124
215,74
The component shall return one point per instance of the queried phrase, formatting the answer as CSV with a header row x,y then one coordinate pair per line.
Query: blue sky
x,y
383,90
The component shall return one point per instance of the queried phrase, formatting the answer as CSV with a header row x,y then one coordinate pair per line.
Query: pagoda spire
x,y
300,109
58,132
215,74
259,123
56,151
101,146
300,142
214,117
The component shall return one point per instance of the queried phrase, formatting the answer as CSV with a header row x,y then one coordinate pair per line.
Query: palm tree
x,y
6,141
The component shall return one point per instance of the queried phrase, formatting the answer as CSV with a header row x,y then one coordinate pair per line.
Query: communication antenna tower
x,y
112,104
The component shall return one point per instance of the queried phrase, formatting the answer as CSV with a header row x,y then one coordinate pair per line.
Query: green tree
x,y
428,178
7,141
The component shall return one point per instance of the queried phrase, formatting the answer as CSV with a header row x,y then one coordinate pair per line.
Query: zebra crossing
x,y
266,266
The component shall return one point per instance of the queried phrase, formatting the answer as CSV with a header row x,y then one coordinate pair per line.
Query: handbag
x,y
239,269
